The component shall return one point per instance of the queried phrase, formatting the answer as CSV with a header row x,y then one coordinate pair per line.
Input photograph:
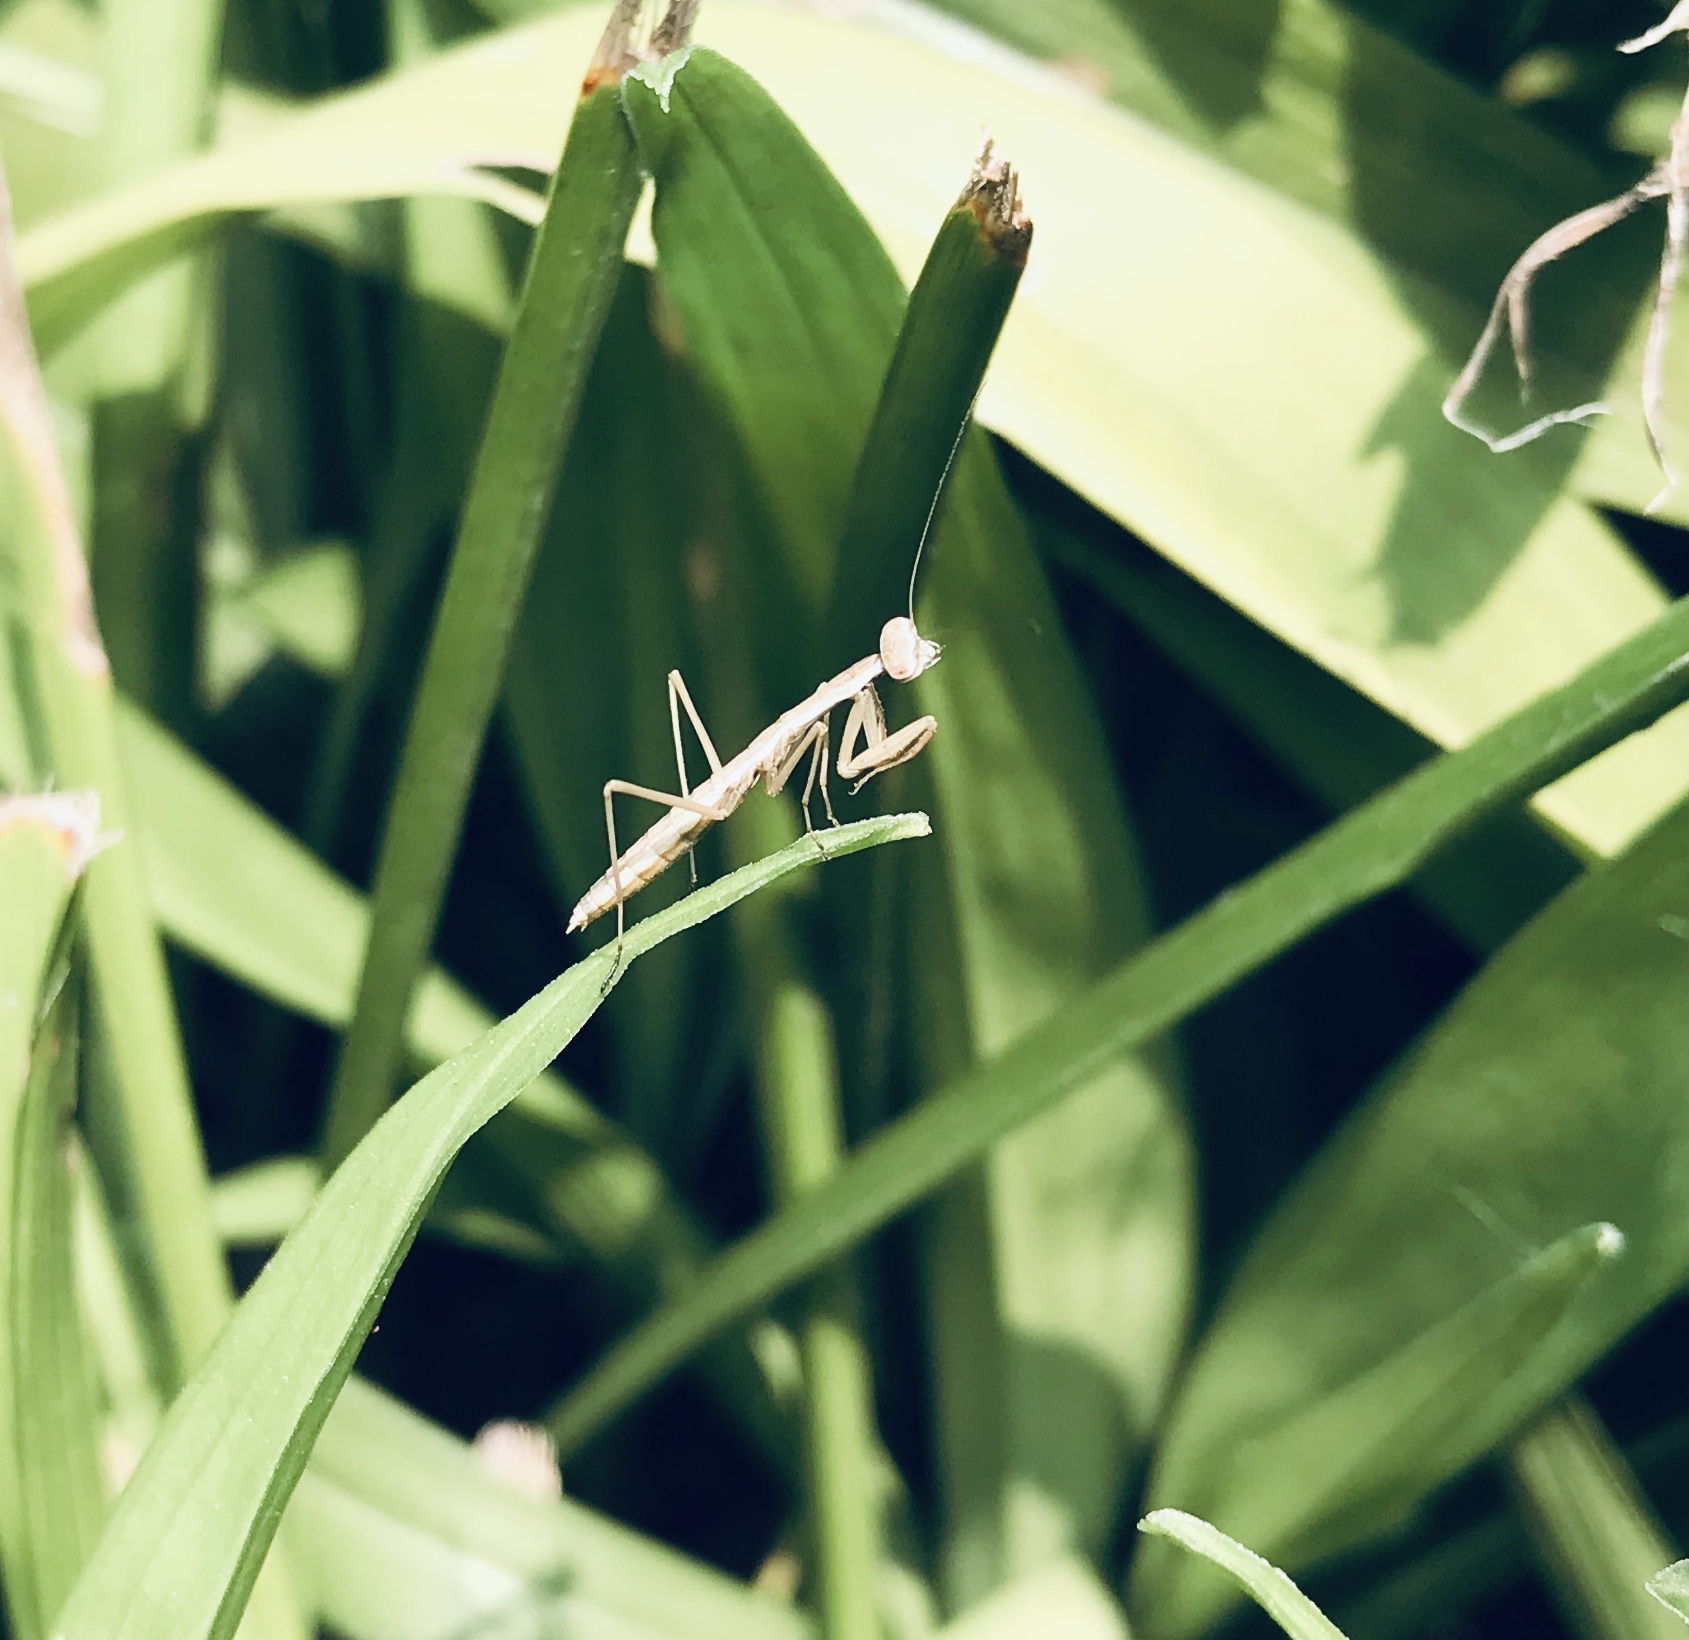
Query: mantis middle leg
x,y
679,697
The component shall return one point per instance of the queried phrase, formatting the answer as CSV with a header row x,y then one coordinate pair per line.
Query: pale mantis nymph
x,y
903,654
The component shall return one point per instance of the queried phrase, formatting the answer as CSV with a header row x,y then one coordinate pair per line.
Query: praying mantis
x,y
903,655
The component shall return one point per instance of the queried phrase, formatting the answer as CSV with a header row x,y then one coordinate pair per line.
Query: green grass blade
x,y
236,889
1547,1096
1356,1461
796,1069
1598,1541
156,1154
955,315
59,1419
44,843
1292,1610
1367,851
188,1535
572,273
641,527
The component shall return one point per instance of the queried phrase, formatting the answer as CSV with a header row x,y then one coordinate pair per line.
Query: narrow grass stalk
x,y
44,842
59,1418
153,385
159,1169
572,272
803,1133
1597,1541
1371,849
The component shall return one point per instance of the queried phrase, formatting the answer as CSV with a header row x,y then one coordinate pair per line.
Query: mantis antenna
x,y
937,496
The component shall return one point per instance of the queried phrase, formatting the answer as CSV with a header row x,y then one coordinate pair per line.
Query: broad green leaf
x,y
190,1531
411,1538
1548,1097
1292,1610
1317,103
790,308
1353,522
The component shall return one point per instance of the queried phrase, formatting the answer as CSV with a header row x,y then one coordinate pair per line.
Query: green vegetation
x,y
1251,1103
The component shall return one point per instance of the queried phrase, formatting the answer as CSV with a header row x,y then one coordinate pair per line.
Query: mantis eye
x,y
904,653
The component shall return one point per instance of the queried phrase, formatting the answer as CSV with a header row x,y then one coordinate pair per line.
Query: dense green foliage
x,y
895,1239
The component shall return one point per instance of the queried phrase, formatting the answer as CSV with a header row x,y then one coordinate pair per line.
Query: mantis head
x,y
904,653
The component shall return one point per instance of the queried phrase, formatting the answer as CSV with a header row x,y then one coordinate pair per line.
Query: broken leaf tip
x,y
621,50
993,197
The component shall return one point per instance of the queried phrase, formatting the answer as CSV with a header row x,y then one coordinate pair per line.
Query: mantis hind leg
x,y
670,801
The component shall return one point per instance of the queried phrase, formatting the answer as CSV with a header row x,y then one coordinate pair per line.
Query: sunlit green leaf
x,y
1547,1098
1354,521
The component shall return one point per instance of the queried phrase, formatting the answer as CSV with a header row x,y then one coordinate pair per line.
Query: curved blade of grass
x,y
189,1533
232,886
1369,850
154,1157
60,1421
45,1435
1276,1595
1356,1461
572,273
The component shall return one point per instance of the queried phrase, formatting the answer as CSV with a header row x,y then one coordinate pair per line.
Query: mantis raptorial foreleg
x,y
866,721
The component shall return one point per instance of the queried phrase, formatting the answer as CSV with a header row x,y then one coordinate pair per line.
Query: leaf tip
x,y
992,197
620,51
